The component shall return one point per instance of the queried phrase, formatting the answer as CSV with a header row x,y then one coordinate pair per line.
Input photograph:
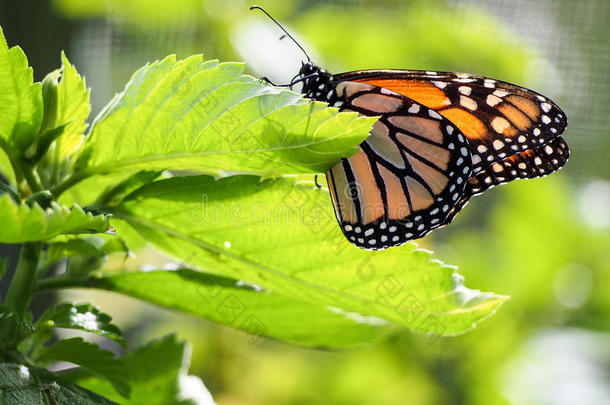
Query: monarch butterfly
x,y
441,138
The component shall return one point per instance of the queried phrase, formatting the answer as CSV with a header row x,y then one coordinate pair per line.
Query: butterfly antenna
x,y
283,29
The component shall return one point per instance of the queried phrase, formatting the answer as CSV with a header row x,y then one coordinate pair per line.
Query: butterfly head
x,y
315,81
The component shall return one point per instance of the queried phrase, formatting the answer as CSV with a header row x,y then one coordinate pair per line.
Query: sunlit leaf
x,y
284,237
207,116
21,223
254,310
20,102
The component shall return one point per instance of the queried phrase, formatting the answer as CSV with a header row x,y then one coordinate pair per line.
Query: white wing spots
x,y
540,98
464,151
536,131
383,225
489,83
476,159
548,150
451,146
537,161
521,139
348,228
498,144
395,238
522,166
482,148
414,109
383,238
500,93
361,240
465,80
468,103
440,85
545,119
449,129
434,114
499,124
372,241
368,232
357,229
546,107
392,229
493,100
431,73
553,130
465,90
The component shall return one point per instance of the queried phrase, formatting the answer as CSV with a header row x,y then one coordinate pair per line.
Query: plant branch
x,y
63,281
72,180
30,176
20,292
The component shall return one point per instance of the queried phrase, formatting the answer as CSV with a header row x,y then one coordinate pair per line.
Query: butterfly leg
x,y
315,179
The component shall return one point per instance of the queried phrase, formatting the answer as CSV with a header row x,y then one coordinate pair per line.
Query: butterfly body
x,y
441,138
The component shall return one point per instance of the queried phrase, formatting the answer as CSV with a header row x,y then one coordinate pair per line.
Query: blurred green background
x,y
545,242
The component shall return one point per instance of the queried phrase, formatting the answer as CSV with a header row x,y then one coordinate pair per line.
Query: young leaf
x,y
283,236
21,105
27,385
253,310
208,116
88,355
83,317
66,102
158,371
21,223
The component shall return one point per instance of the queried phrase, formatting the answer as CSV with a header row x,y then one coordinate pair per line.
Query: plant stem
x,y
69,182
20,292
30,177
63,281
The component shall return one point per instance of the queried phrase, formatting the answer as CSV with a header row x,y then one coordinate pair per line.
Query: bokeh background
x,y
544,242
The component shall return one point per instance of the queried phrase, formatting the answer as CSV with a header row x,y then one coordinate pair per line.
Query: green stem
x,y
20,292
60,282
69,182
30,177
22,285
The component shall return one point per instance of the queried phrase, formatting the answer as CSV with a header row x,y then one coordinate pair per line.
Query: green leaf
x,y
208,116
21,106
253,310
283,236
75,247
66,102
26,385
88,355
21,223
159,371
85,317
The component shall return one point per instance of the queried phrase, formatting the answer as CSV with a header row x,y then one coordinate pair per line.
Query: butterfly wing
x,y
538,162
498,118
407,176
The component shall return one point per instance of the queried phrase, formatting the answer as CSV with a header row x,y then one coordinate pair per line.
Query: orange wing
x,y
408,175
499,119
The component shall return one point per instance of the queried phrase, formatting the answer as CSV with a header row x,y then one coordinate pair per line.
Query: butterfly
x,y
441,138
